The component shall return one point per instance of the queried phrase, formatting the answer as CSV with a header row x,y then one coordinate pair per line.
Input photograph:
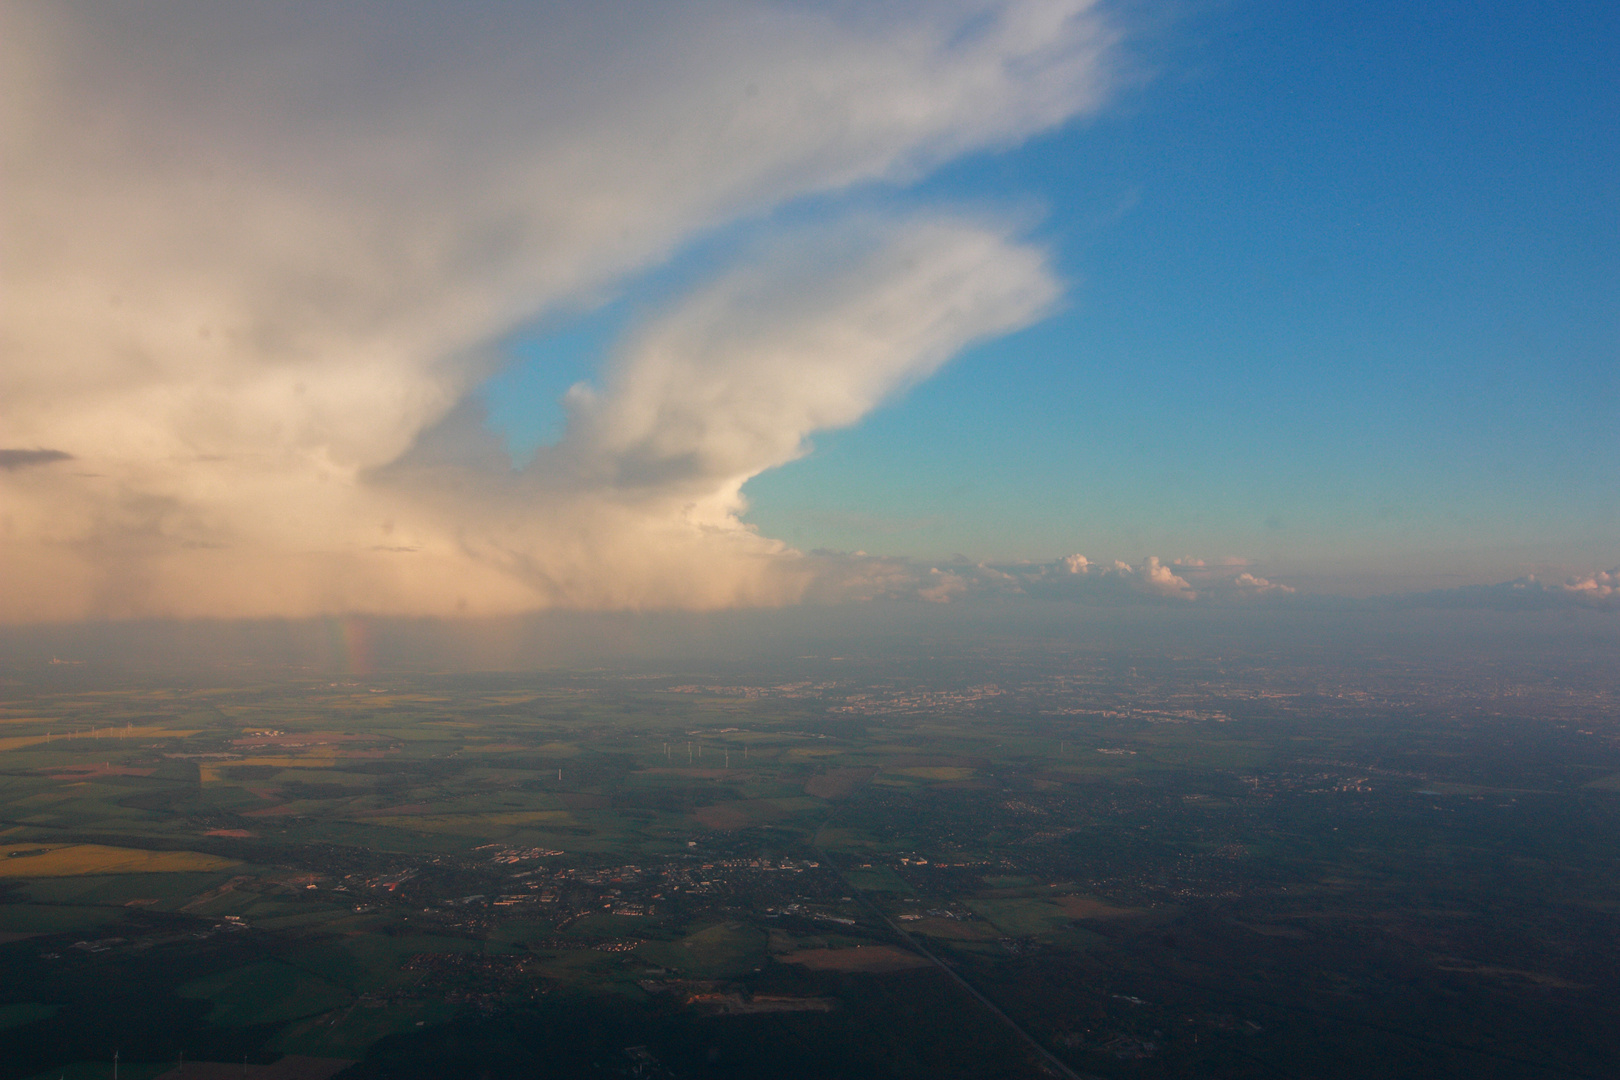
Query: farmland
x,y
768,881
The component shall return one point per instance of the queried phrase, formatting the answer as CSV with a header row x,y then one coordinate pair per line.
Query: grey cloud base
x,y
14,458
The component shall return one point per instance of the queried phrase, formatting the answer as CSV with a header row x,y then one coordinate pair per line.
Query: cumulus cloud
x,y
639,504
257,256
1599,591
1228,576
1599,588
1078,578
1154,577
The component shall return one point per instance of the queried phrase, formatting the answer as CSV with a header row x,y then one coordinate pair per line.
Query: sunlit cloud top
x,y
258,257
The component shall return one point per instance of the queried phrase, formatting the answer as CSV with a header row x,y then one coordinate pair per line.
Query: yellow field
x,y
934,772
76,859
112,734
215,773
457,823
811,753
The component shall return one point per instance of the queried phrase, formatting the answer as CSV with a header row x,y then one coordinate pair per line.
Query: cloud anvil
x,y
259,259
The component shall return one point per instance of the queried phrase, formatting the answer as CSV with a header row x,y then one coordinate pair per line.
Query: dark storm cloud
x,y
20,459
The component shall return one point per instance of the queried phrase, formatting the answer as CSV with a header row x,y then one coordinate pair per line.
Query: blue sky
x,y
1341,299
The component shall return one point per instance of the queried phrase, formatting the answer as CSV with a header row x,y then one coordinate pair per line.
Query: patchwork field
x,y
319,876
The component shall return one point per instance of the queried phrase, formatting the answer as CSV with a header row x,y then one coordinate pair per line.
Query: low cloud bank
x,y
1074,579
1596,592
1182,583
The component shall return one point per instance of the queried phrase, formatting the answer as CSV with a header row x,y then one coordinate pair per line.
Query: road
x,y
1045,1055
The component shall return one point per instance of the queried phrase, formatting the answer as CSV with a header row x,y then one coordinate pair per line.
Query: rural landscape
x,y
1016,864
809,540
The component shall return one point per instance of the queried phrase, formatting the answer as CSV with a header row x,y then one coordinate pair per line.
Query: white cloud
x,y
639,504
1075,564
257,253
1250,585
1601,588
732,381
1077,577
1157,578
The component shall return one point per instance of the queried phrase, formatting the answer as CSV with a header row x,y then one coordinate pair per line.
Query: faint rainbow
x,y
349,638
